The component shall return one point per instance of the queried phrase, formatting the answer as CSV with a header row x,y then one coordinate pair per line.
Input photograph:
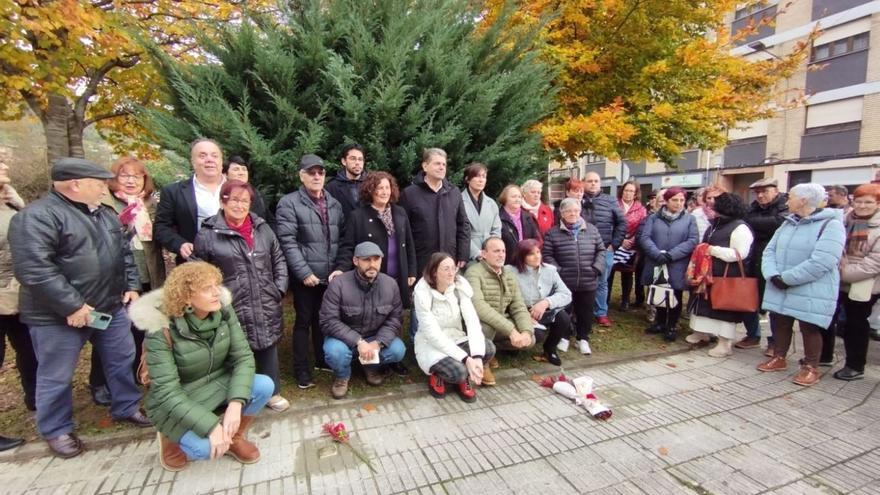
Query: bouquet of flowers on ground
x,y
580,390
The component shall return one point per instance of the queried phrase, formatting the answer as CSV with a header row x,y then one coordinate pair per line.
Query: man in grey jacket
x,y
76,272
361,311
310,224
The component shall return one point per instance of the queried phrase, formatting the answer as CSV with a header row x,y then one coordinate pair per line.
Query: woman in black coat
x,y
378,219
246,250
517,224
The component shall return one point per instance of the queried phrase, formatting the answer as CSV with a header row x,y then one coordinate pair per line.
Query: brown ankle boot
x,y
242,449
170,455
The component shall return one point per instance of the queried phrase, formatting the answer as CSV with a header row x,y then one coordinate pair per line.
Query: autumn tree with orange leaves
x,y
649,78
81,63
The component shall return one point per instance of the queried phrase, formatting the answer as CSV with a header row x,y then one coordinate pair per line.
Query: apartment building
x,y
833,139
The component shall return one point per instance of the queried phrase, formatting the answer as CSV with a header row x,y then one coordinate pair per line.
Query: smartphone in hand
x,y
99,320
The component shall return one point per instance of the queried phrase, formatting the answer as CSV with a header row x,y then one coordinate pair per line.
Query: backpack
x,y
143,372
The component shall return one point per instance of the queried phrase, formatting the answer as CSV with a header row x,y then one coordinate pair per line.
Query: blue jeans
x,y
198,448
58,347
339,355
600,306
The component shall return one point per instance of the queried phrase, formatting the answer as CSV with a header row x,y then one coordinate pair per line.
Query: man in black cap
x,y
185,204
361,311
310,223
75,267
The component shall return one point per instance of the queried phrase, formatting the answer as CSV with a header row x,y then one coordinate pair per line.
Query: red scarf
x,y
699,271
246,229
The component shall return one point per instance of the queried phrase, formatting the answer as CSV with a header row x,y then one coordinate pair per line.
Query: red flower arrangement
x,y
338,433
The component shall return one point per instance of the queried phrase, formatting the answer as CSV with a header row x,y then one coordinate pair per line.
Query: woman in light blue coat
x,y
482,211
801,268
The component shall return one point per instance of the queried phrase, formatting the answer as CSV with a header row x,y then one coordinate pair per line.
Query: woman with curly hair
x,y
199,360
729,238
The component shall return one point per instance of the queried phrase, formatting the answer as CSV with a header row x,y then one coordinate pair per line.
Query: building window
x,y
749,10
840,47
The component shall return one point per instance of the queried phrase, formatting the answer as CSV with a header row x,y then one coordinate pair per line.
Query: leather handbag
x,y
734,293
660,293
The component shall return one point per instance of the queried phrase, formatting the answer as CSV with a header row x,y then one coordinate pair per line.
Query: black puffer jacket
x,y
346,190
257,278
363,224
354,308
603,211
308,247
509,234
764,220
65,256
438,220
580,259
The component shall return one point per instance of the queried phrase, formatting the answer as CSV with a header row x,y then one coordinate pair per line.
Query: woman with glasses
x,y
246,250
132,197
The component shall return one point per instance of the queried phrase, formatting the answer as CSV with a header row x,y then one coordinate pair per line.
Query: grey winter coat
x,y
603,211
308,247
540,283
438,220
354,308
578,254
257,278
65,256
484,224
677,237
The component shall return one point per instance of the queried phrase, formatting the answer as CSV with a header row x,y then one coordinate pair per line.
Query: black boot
x,y
655,328
7,443
100,395
669,334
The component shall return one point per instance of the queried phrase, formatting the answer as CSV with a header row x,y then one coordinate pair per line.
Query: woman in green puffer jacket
x,y
198,360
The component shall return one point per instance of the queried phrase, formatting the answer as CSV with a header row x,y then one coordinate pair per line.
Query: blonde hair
x,y
502,198
183,281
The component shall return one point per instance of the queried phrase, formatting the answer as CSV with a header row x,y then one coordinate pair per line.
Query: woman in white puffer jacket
x,y
450,346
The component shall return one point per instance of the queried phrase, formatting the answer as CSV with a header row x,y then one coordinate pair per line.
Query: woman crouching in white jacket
x,y
450,346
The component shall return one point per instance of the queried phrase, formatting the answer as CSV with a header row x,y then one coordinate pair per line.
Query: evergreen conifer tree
x,y
396,76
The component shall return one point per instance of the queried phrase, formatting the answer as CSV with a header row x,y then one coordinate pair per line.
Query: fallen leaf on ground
x,y
105,422
536,378
369,407
672,365
663,451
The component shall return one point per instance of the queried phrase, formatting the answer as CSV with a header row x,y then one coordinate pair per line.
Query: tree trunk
x,y
64,135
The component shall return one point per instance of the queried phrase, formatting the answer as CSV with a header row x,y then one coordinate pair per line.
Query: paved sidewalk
x,y
685,423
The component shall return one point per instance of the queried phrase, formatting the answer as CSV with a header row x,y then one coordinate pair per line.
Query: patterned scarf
x,y
857,235
699,270
136,218
387,221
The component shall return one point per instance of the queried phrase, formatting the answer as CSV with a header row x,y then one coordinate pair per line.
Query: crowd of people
x,y
477,276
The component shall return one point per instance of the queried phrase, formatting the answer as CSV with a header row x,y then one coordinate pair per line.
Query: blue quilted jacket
x,y
806,253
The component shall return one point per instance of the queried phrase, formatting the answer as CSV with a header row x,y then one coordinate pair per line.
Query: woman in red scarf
x,y
627,255
249,255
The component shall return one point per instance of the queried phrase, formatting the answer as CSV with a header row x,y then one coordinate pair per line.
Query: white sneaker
x,y
562,346
278,403
584,347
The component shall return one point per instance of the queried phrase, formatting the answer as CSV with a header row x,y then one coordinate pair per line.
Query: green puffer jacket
x,y
192,377
498,301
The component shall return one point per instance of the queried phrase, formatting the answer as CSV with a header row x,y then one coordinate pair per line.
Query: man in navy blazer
x,y
184,205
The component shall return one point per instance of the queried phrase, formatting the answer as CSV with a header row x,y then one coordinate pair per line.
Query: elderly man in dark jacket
x,y
766,214
310,224
361,311
76,271
602,211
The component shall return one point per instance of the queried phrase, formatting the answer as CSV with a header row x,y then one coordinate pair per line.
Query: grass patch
x,y
625,337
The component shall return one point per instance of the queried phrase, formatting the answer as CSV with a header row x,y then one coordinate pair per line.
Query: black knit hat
x,y
730,205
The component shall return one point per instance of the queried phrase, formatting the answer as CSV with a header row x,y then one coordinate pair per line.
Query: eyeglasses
x,y
127,177
447,269
315,171
238,201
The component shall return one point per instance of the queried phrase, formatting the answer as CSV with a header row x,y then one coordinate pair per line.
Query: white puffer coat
x,y
440,323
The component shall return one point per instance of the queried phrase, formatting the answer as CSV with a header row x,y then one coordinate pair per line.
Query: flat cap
x,y
309,161
367,249
77,168
765,182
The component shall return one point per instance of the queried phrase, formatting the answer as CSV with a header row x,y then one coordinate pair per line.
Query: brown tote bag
x,y
734,293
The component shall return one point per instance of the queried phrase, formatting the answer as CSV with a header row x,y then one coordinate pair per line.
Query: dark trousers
x,y
783,328
855,337
558,325
582,306
25,358
307,304
668,317
96,372
829,337
626,286
267,364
